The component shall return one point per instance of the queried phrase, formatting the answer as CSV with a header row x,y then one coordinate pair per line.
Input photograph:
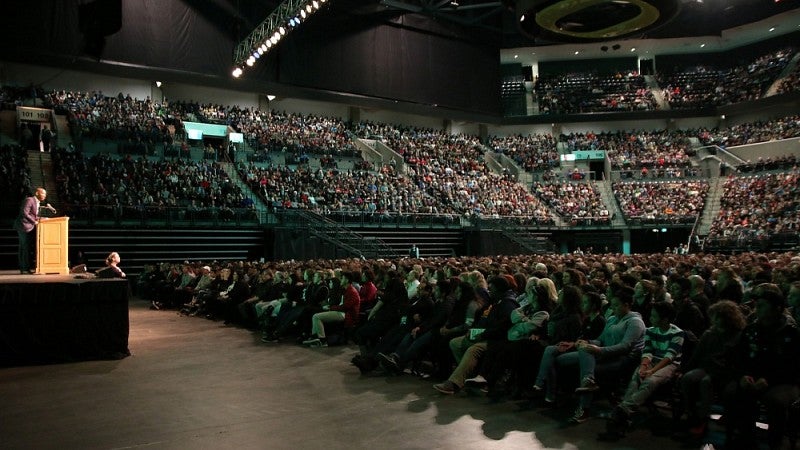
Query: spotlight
x,y
303,13
158,84
274,40
316,4
237,72
282,31
250,61
308,9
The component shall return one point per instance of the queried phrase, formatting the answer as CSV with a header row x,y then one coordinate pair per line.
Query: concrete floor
x,y
194,383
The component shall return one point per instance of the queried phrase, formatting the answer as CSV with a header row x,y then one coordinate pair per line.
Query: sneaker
x,y
581,415
389,362
316,342
588,385
270,338
448,387
475,381
619,422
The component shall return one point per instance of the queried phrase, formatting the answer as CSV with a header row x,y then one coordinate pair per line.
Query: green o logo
x,y
549,17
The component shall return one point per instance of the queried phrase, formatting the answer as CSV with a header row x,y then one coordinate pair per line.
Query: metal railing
x,y
119,215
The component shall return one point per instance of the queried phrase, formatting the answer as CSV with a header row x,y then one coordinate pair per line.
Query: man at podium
x,y
25,224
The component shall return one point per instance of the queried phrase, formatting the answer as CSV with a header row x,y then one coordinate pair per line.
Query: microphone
x,y
53,210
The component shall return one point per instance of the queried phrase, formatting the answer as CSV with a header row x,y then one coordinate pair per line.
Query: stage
x,y
62,318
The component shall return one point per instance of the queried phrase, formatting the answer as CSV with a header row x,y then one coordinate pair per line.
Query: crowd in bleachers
x,y
534,152
580,93
674,201
635,149
15,176
423,191
791,82
143,124
293,133
444,174
704,86
553,329
756,207
578,203
130,187
785,163
752,132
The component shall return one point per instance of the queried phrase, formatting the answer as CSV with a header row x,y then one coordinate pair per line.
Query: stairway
x,y
528,241
658,93
773,88
63,137
347,240
607,194
712,206
41,166
261,208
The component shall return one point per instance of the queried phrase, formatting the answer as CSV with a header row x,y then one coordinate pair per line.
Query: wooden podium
x,y
52,246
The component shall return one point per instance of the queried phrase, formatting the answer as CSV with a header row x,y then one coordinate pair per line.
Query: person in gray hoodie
x,y
618,348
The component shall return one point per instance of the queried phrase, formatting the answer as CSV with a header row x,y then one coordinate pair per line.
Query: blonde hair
x,y
110,257
477,279
550,287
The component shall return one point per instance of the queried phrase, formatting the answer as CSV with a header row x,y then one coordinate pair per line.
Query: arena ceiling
x,y
558,21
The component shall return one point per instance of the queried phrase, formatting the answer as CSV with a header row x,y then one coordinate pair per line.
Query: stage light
x,y
285,18
250,62
237,72
522,18
158,84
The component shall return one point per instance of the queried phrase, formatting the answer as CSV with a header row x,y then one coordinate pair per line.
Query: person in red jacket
x,y
345,311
